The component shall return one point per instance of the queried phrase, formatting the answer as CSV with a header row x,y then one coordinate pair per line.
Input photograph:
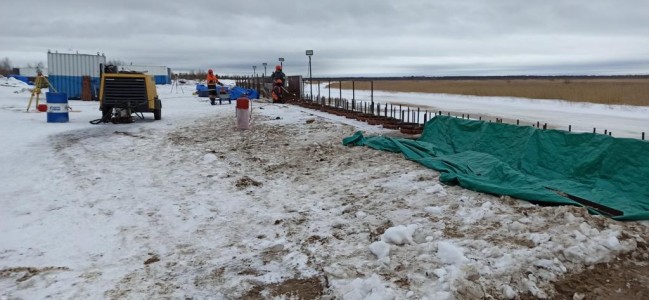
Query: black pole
x,y
372,92
569,128
340,86
329,92
310,78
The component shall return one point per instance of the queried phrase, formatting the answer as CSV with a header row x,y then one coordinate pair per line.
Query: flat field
x,y
629,91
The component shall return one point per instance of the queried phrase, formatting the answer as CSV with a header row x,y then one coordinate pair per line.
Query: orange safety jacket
x,y
212,79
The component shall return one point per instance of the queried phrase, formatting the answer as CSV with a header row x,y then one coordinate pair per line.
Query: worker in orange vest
x,y
212,81
278,77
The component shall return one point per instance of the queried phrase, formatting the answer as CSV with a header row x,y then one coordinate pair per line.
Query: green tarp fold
x,y
608,175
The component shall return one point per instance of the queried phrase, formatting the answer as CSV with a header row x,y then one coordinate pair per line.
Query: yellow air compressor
x,y
122,94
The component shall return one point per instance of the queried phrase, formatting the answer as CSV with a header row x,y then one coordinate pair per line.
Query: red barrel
x,y
243,103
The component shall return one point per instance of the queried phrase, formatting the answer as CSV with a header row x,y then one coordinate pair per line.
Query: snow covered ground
x,y
189,207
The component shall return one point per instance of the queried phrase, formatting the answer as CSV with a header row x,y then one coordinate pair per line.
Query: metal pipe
x,y
310,78
372,91
408,108
340,87
329,86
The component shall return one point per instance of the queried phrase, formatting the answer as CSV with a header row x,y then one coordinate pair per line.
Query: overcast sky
x,y
349,38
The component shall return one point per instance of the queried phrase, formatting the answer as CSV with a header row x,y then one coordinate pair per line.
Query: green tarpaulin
x,y
610,176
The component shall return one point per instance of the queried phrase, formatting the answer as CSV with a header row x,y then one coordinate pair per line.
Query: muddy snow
x,y
191,208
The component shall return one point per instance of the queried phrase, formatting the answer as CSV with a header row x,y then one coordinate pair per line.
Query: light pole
x,y
264,64
309,53
253,71
281,62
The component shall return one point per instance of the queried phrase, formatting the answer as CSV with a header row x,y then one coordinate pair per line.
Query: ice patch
x,y
612,243
449,253
380,248
399,235
531,286
208,158
434,210
539,238
437,189
508,292
553,265
580,237
516,226
371,288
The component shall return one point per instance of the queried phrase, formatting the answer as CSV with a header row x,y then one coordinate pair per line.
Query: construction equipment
x,y
36,91
122,94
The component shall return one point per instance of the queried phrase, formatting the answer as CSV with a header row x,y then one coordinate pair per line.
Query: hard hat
x,y
278,67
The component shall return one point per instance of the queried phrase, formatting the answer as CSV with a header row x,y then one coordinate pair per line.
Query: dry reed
x,y
604,91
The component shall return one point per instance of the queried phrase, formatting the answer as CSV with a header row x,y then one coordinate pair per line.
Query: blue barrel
x,y
57,107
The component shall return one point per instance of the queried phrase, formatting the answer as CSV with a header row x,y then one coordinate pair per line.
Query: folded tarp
x,y
607,175
203,91
21,78
237,92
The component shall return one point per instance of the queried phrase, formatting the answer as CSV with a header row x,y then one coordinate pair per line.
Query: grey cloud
x,y
408,37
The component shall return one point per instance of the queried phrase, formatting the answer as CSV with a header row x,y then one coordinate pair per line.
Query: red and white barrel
x,y
243,113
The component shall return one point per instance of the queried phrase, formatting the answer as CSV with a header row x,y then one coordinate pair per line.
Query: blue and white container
x,y
66,72
57,107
